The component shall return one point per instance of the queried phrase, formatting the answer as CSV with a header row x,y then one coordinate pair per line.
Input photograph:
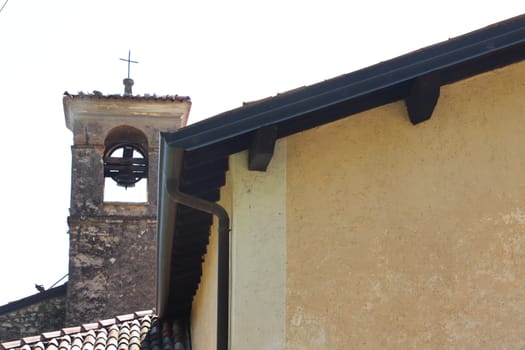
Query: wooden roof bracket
x,y
261,149
422,97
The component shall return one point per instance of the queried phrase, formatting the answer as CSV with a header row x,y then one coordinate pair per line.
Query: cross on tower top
x,y
129,61
128,82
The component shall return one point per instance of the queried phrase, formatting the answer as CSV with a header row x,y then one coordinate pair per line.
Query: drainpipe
x,y
171,187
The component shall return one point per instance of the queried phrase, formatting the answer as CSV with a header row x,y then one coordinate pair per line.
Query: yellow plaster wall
x,y
411,237
258,260
258,254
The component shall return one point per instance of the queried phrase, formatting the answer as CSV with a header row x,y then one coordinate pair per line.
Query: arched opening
x,y
126,166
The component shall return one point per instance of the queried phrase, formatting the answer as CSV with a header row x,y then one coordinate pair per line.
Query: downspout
x,y
172,158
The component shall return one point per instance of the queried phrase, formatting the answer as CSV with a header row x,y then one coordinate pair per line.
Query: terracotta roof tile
x,y
77,342
71,330
138,331
65,343
52,345
90,338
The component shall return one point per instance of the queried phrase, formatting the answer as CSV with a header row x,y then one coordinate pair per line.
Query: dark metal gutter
x,y
169,195
165,226
351,86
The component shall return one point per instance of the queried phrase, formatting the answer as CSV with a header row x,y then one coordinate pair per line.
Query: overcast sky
x,y
220,53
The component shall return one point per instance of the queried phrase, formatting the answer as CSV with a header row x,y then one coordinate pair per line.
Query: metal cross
x,y
128,60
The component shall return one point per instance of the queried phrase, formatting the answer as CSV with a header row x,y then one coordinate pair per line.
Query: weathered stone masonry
x,y
33,315
113,263
112,257
112,246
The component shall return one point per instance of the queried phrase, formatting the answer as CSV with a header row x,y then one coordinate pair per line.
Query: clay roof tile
x,y
106,323
128,332
31,340
76,344
52,345
90,338
65,343
50,335
71,330
39,346
89,326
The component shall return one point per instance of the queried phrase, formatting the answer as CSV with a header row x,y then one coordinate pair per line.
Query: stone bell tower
x,y
112,254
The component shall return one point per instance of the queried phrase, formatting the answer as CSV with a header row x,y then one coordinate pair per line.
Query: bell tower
x,y
112,253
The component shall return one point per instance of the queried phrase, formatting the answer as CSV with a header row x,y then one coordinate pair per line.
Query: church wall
x,y
33,315
391,235
411,237
256,203
113,266
258,253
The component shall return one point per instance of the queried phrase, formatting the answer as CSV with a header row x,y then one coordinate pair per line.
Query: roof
x,y
96,104
140,330
455,59
97,95
198,165
35,298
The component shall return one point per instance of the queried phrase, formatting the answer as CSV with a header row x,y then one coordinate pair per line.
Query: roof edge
x,y
47,336
33,299
341,89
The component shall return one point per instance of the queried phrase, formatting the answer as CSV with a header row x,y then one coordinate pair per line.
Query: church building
x,y
380,209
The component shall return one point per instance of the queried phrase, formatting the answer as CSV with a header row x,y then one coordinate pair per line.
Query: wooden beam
x,y
260,152
423,97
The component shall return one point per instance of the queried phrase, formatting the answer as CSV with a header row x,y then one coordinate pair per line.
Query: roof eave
x,y
304,108
343,89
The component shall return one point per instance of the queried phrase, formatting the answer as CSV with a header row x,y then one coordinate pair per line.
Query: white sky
x,y
220,53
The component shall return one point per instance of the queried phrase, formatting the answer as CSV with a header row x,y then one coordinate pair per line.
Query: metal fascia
x,y
350,86
169,168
